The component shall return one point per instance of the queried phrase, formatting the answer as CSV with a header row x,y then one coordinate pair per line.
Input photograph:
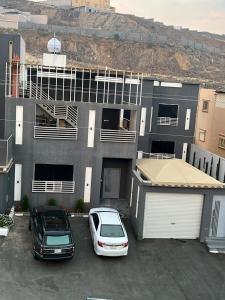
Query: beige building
x,y
98,4
210,124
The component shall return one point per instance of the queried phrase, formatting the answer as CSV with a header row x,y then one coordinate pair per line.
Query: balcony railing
x,y
55,133
158,155
64,187
6,152
166,121
117,136
73,84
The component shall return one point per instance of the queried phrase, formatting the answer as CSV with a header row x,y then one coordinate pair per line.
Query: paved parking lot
x,y
154,269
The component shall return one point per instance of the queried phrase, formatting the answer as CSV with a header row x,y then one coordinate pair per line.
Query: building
x,y
10,18
97,4
76,133
168,117
210,124
214,166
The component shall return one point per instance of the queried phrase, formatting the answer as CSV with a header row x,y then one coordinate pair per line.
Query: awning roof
x,y
175,172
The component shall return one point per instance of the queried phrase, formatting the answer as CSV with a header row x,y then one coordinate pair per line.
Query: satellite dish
x,y
54,45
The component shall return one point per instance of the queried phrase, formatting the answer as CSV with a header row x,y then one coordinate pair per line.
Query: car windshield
x,y
55,240
112,231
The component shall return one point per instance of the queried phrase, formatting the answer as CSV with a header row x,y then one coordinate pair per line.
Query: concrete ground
x,y
154,269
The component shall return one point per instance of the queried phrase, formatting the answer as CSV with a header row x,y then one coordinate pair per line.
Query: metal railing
x,y
64,187
166,121
117,136
6,151
157,155
55,133
73,84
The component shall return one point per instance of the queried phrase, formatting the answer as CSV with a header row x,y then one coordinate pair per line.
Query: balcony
x,y
6,154
117,136
64,187
55,133
73,84
167,121
155,155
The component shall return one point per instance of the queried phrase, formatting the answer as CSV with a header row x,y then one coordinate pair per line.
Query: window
x,y
95,220
112,231
202,135
163,147
205,106
221,142
56,240
168,111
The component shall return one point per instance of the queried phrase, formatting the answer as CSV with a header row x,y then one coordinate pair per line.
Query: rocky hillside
x,y
161,50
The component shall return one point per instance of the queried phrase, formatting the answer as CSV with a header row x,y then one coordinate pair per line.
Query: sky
x,y
202,15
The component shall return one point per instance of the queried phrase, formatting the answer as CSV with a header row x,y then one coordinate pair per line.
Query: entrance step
x,y
216,245
120,204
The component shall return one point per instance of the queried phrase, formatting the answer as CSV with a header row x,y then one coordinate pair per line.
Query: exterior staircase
x,y
65,112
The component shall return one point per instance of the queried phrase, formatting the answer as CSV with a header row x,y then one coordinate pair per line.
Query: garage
x,y
169,215
170,199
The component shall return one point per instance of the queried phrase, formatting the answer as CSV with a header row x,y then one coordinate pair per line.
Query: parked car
x,y
52,235
108,232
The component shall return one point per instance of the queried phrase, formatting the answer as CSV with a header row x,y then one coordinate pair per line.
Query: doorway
x,y
111,183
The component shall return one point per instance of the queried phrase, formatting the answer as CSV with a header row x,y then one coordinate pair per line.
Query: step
x,y
216,245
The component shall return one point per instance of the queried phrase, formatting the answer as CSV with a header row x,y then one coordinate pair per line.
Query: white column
x,y
184,154
143,121
91,129
19,125
17,182
188,119
87,185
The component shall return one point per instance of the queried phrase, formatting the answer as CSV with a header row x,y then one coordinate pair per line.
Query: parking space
x,y
154,269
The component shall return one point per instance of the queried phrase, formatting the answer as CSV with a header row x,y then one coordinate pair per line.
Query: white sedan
x,y
108,232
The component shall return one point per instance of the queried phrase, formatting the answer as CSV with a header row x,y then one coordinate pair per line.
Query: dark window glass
x,y
167,111
96,220
163,147
53,172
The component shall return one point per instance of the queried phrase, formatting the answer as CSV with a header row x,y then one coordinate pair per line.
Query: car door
x,y
37,232
94,228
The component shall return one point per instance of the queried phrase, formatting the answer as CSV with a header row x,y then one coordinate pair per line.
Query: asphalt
x,y
154,269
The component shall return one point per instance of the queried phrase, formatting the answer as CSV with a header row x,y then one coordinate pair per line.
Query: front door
x,y
111,183
218,217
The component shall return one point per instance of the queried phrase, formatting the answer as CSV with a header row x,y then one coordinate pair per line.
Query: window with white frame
x,y
202,135
221,141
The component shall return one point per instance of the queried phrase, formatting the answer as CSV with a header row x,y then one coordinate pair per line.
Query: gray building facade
x,y
75,133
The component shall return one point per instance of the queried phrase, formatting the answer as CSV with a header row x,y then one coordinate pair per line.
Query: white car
x,y
108,232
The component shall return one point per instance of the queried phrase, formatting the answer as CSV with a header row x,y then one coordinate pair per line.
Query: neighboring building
x,y
169,112
10,18
10,45
76,132
172,199
210,124
97,4
80,5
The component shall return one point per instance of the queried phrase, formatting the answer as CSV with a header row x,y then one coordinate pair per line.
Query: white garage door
x,y
172,215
